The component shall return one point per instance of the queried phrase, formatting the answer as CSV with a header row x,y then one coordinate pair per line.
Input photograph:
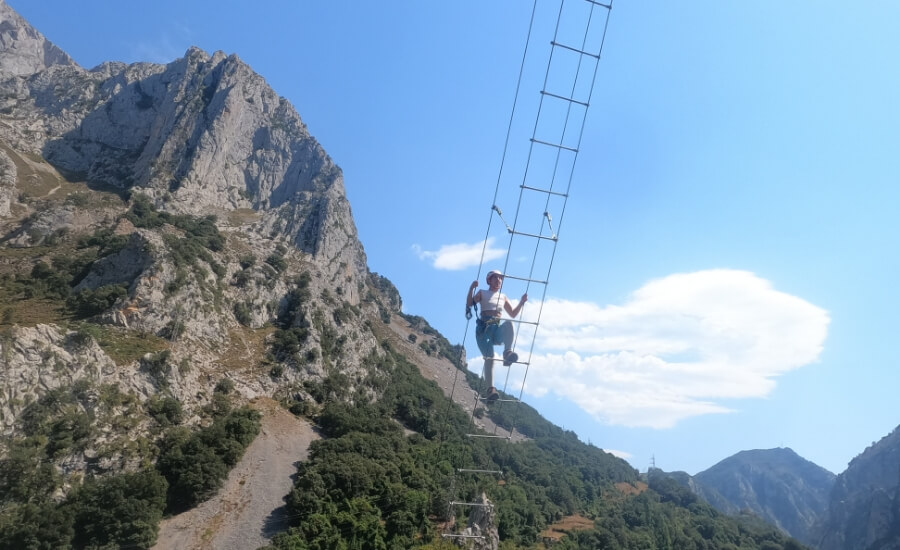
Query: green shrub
x,y
88,303
105,240
286,343
196,464
224,386
277,262
166,411
120,511
242,314
173,330
25,474
42,524
247,261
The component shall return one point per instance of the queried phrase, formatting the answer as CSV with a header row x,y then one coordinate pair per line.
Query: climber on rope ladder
x,y
489,330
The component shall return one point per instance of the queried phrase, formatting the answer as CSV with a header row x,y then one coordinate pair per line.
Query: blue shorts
x,y
491,334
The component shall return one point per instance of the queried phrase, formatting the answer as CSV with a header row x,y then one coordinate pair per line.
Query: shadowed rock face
x,y
864,510
775,484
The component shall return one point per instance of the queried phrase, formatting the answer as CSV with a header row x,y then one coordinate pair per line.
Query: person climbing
x,y
489,330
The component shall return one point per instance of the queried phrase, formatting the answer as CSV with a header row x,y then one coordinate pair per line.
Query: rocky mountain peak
x,y
23,50
202,135
775,484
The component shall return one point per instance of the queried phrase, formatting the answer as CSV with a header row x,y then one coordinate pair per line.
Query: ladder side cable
x,y
568,187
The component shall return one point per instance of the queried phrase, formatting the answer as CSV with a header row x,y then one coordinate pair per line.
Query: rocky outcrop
x,y
23,50
7,184
481,529
864,508
775,484
41,358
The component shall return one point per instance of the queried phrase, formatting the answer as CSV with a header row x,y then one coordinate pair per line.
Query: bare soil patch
x,y
559,529
628,489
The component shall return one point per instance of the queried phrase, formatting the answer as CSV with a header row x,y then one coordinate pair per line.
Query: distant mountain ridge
x,y
858,509
775,484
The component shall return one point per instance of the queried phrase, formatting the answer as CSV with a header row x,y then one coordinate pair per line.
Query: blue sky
x,y
726,270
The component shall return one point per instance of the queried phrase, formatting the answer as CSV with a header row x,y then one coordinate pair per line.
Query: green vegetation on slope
x,y
111,511
370,486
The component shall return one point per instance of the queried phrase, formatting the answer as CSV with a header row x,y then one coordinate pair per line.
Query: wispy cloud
x,y
676,349
454,257
167,47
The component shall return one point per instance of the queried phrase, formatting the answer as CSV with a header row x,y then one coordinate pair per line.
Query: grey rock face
x,y
7,184
775,484
864,510
481,529
40,358
121,268
202,137
23,50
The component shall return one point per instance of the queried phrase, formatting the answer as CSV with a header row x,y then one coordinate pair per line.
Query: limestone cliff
x,y
180,224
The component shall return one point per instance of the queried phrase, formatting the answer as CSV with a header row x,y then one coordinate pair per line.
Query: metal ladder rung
x,y
522,233
487,436
473,504
526,279
576,50
470,471
449,536
517,363
594,2
569,99
557,145
549,192
521,322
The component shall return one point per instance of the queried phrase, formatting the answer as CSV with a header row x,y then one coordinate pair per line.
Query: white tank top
x,y
492,302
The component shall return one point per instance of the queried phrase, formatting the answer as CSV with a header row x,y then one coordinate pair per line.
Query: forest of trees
x,y
368,486
118,510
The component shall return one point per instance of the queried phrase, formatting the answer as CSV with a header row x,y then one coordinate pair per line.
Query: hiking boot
x,y
492,395
509,357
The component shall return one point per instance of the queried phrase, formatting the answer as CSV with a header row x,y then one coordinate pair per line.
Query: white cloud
x,y
676,349
454,257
